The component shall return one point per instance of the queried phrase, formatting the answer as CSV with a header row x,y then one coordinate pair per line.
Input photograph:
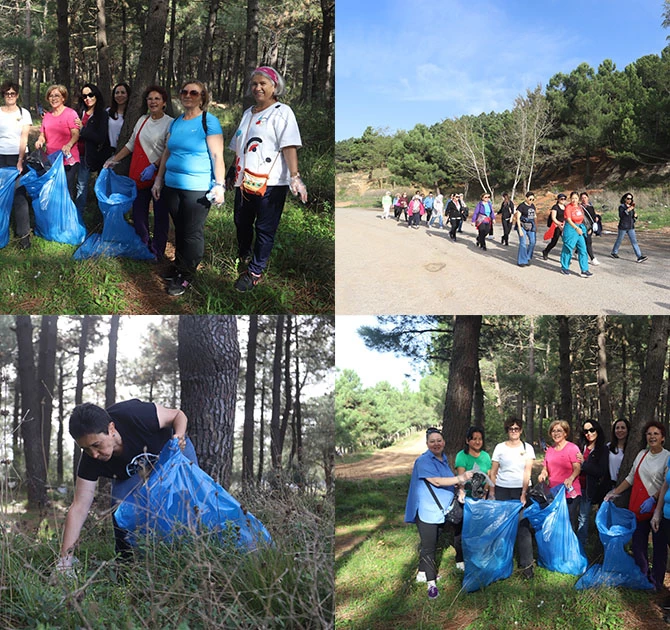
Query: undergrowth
x,y
191,584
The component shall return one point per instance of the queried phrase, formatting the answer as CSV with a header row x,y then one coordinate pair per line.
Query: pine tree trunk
x,y
605,407
462,368
110,379
249,404
209,363
564,368
275,441
31,429
104,71
46,378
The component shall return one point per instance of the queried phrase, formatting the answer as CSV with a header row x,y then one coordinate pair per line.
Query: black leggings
x,y
429,533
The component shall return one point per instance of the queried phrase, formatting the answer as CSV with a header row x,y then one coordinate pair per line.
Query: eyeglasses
x,y
55,95
192,93
10,94
557,431
590,431
629,198
89,95
513,429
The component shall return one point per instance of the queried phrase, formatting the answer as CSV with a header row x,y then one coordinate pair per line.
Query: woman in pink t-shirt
x,y
562,465
60,132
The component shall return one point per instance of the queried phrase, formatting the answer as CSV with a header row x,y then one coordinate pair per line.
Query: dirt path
x,y
389,462
384,267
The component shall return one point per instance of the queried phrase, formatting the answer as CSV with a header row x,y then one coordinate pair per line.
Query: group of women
x,y
589,473
176,164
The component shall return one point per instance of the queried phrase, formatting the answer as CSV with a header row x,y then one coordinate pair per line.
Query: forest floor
x,y
385,267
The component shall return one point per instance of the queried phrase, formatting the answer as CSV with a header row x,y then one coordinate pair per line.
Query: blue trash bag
x,y
557,546
115,195
56,216
179,498
7,178
489,533
615,526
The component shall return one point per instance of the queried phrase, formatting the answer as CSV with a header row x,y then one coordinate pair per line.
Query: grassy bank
x,y
199,584
377,557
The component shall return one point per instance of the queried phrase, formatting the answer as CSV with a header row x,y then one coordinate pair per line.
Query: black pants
x,y
483,231
189,210
589,245
429,535
507,228
524,537
554,240
455,223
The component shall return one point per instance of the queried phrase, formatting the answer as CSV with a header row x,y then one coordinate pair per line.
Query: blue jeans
x,y
436,216
82,187
526,248
583,520
571,240
633,242
259,216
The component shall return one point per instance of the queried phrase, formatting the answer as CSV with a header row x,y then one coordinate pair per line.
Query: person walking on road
x,y
627,218
556,226
506,212
524,218
574,232
483,218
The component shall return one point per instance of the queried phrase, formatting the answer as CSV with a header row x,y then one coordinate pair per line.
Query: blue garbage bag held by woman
x,y
56,217
557,546
7,178
489,532
180,498
115,195
615,526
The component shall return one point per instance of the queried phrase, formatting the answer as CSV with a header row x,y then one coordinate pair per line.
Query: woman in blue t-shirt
x,y
425,508
191,176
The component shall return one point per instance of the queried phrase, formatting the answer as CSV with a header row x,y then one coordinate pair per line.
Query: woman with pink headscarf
x,y
266,168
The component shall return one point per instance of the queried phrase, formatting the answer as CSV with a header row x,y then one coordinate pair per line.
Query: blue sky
x,y
371,366
404,62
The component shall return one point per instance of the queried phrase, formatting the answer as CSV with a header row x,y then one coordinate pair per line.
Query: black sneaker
x,y
587,273
247,281
544,256
170,274
642,258
24,242
565,272
613,255
179,286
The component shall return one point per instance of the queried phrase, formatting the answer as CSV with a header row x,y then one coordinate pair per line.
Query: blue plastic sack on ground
x,y
180,498
557,546
615,526
115,195
489,533
56,216
7,178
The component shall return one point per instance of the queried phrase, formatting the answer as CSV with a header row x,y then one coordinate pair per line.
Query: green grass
x,y
376,589
299,278
193,584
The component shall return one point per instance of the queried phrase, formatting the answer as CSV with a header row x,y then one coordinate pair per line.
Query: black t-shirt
x,y
527,215
137,424
560,213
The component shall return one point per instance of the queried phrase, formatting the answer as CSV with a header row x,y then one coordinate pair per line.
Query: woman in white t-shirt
x,y
266,168
116,112
617,446
147,145
15,123
511,466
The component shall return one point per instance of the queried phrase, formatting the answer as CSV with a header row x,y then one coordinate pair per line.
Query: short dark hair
x,y
470,434
530,193
156,88
652,423
511,421
89,418
432,430
9,85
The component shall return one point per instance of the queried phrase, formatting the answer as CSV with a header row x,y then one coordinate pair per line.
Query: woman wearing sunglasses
x,y
112,439
15,123
190,177
94,147
594,478
627,218
511,466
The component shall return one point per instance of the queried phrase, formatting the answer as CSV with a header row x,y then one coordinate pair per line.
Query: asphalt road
x,y
385,267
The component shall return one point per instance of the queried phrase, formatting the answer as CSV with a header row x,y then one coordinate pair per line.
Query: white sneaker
x,y
460,566
421,576
595,261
